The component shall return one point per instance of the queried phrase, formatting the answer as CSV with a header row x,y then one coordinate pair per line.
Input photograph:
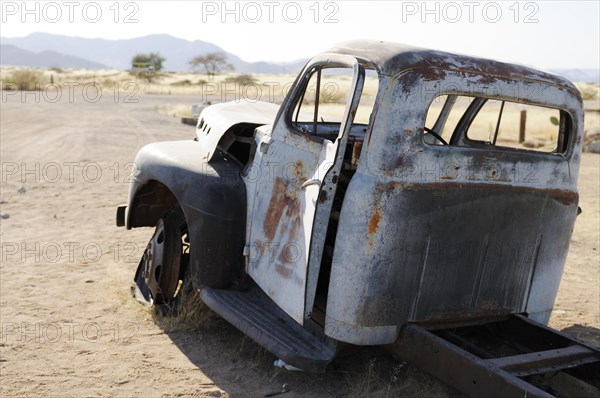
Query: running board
x,y
515,357
257,316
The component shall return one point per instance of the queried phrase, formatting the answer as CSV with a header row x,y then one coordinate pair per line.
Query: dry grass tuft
x,y
375,382
176,110
589,91
242,79
25,80
188,313
254,354
386,378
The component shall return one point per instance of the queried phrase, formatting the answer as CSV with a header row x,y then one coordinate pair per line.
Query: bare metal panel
x,y
286,179
216,119
432,232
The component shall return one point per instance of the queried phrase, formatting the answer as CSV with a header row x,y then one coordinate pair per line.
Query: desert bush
x,y
185,82
243,79
25,80
589,91
385,378
174,110
188,313
109,82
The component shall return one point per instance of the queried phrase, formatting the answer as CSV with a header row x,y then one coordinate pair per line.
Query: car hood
x,y
216,120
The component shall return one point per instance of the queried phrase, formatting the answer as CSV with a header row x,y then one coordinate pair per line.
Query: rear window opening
x,y
496,124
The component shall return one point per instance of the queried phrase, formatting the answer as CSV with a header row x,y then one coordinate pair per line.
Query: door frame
x,y
331,157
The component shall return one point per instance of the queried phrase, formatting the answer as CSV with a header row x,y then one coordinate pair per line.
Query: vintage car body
x,y
353,232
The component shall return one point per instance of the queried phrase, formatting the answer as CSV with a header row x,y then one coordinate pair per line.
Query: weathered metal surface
x,y
215,120
161,260
256,315
277,254
458,368
495,359
329,187
546,361
212,197
432,232
283,206
427,233
391,59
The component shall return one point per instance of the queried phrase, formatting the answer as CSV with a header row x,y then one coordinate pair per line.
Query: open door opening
x,y
302,158
348,163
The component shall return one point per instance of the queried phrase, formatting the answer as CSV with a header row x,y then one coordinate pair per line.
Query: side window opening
x,y
438,116
493,123
320,109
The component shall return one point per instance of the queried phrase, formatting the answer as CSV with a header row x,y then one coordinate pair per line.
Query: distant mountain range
x,y
11,55
43,49
48,50
579,75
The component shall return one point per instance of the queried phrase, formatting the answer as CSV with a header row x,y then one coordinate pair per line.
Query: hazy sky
x,y
545,34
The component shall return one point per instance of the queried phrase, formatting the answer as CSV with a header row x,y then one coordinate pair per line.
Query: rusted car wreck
x,y
426,225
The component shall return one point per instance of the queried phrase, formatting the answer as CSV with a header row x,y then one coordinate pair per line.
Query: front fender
x,y
211,195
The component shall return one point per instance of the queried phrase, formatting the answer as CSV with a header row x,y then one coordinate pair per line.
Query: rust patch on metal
x,y
399,162
487,79
374,222
299,171
434,74
281,204
281,267
282,224
307,137
275,209
564,196
356,149
386,187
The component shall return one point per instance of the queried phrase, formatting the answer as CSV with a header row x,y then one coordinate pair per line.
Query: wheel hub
x,y
161,261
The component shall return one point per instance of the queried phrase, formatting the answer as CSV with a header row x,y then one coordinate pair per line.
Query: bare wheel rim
x,y
162,259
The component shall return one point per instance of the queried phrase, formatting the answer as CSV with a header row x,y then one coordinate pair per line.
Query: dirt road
x,y
69,327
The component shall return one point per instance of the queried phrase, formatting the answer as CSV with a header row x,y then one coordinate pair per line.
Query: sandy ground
x,y
69,327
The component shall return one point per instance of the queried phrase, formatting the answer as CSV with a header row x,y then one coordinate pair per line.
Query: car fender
x,y
211,195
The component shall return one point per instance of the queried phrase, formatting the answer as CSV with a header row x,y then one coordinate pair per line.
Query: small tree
x,y
155,60
212,63
147,64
